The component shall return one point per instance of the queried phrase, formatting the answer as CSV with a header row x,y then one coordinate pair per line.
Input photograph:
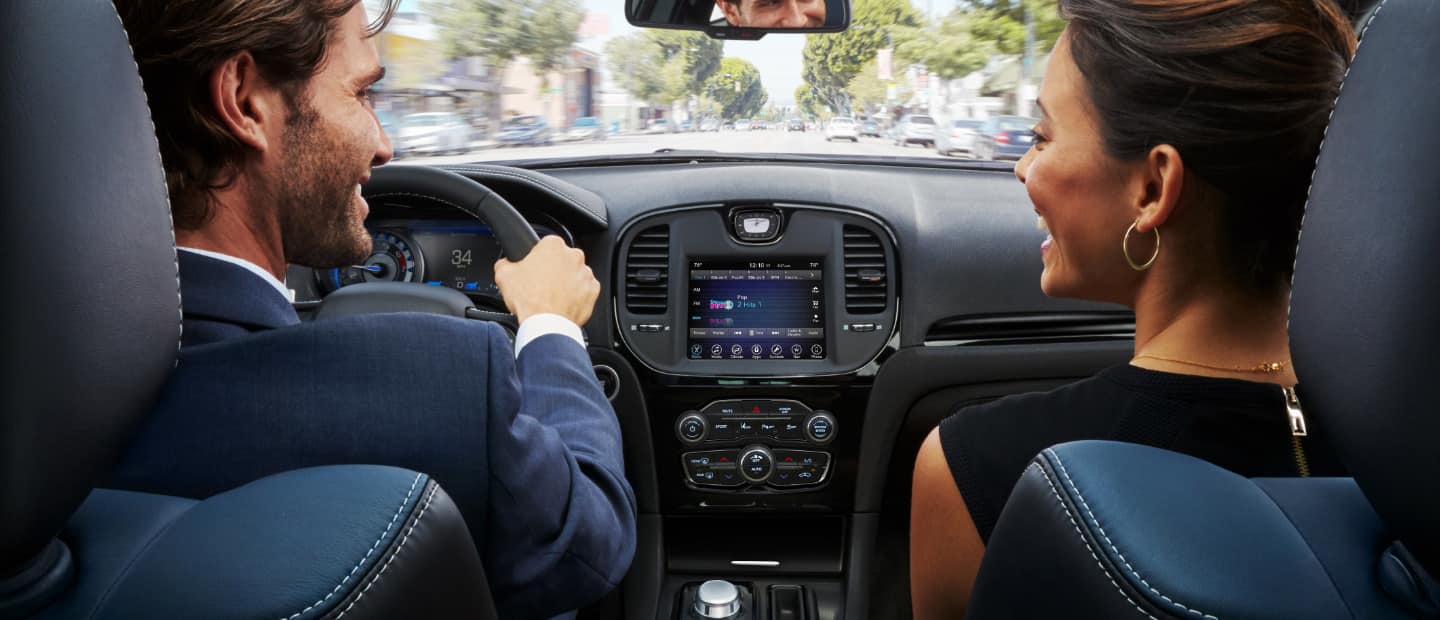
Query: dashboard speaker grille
x,y
647,272
866,276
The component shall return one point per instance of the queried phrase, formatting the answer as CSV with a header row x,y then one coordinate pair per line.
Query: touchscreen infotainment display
x,y
757,310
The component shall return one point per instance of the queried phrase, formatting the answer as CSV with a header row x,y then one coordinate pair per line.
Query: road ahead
x,y
809,142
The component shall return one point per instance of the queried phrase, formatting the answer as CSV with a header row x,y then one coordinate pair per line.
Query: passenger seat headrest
x,y
1365,311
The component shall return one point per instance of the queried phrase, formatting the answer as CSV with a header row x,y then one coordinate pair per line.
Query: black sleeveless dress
x,y
1240,425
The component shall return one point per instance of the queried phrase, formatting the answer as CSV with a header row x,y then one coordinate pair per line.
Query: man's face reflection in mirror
x,y
773,13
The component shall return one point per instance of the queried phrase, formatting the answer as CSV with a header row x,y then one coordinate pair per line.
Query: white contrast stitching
x,y
170,213
1323,136
435,198
516,175
1056,492
1124,561
367,553
507,173
429,498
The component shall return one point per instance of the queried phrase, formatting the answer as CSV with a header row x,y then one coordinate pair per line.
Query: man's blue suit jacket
x,y
529,449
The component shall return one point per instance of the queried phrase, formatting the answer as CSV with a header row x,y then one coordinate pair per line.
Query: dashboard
x,y
752,339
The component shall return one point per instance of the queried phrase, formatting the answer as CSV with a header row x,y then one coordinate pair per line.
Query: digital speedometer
x,y
392,259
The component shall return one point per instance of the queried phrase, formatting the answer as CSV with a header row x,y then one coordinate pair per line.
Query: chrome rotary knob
x,y
717,599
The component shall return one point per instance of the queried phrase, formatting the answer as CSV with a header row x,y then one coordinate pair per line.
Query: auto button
x,y
756,464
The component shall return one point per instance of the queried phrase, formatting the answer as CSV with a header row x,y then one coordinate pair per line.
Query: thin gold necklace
x,y
1265,367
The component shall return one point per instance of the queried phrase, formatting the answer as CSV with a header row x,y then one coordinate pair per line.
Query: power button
x,y
691,428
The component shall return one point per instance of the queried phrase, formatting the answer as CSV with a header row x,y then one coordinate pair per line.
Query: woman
x,y
1170,166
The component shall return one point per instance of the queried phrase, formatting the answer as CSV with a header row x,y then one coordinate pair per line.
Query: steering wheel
x,y
515,236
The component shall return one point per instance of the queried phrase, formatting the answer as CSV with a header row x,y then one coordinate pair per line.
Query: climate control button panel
x,y
756,465
744,421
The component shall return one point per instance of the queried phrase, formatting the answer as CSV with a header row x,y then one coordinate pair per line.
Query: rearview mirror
x,y
740,19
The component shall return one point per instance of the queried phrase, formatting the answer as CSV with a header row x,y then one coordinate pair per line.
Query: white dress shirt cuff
x,y
544,325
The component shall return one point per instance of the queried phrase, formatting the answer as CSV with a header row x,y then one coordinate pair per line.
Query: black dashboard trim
x,y
585,202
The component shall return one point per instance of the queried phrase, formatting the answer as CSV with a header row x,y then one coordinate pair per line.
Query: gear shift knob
x,y
717,599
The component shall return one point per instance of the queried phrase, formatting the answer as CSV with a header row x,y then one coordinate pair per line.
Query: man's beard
x,y
315,196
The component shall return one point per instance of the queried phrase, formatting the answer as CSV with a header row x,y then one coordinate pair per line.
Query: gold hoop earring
x,y
1125,249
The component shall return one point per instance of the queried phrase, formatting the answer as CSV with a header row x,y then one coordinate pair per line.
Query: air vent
x,y
647,272
865,272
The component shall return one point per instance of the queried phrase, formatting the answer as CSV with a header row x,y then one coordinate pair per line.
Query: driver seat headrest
x,y
1363,327
91,321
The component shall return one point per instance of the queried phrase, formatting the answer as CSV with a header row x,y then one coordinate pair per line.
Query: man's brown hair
x,y
178,43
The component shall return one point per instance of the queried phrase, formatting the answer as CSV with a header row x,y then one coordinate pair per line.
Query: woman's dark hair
x,y
1241,88
178,43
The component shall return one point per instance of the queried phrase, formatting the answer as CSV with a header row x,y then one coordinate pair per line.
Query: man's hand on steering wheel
x,y
552,279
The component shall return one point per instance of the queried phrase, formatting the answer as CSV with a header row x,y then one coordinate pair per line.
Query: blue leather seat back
x,y
1362,322
1119,530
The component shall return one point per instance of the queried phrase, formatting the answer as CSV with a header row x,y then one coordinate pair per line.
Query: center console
x,y
757,327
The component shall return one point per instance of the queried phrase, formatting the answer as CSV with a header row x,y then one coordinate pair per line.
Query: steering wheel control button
x,y
820,427
717,599
691,428
756,464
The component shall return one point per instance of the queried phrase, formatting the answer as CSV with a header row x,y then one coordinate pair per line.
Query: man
x,y
773,13
265,127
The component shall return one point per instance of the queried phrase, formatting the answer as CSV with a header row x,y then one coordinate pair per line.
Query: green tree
x,y
831,61
867,91
736,87
635,63
555,27
499,31
663,66
1002,22
690,58
806,101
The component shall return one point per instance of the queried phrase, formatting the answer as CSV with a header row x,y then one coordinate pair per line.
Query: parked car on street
x,y
915,129
960,138
586,128
709,124
660,125
432,133
795,124
870,129
1004,137
842,128
530,129
742,125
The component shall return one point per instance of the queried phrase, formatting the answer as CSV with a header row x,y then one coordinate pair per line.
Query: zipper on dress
x,y
1297,430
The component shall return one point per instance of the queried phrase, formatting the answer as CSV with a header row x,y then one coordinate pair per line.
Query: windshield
x,y
1016,124
423,120
549,65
